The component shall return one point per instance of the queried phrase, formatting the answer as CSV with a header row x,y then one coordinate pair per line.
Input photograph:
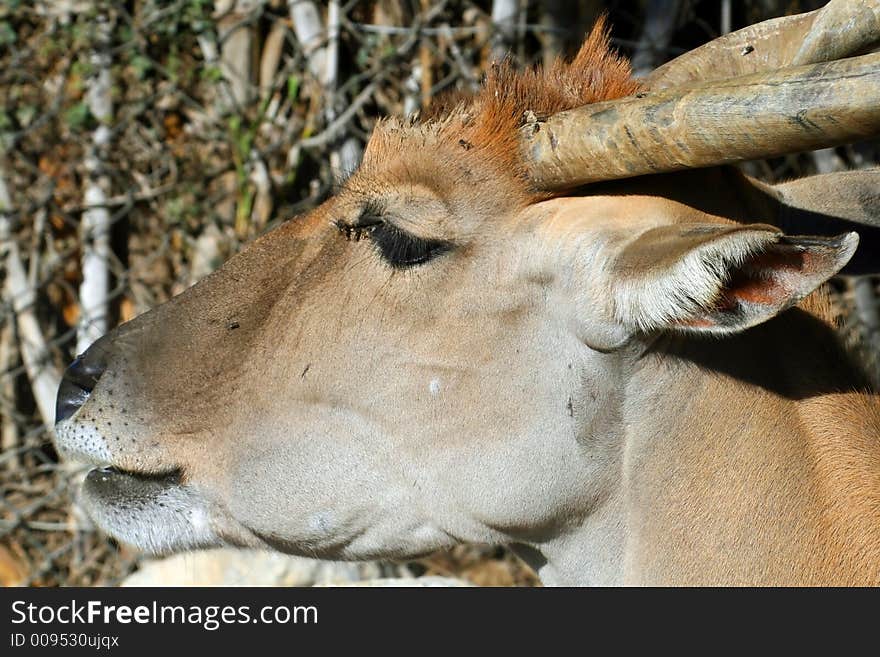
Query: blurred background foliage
x,y
143,142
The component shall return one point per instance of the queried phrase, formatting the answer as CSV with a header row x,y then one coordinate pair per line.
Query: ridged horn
x,y
839,29
723,121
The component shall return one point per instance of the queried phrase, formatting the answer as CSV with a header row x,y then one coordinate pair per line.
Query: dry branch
x,y
236,56
41,372
504,22
321,48
8,426
726,17
95,228
211,55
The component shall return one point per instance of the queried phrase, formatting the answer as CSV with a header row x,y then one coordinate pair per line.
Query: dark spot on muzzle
x,y
77,383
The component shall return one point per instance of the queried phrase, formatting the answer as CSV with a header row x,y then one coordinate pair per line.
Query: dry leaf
x,y
12,571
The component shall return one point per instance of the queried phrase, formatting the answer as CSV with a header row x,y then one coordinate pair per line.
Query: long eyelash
x,y
397,247
356,232
402,250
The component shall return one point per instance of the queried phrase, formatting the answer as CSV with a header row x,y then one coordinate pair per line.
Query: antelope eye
x,y
401,250
397,247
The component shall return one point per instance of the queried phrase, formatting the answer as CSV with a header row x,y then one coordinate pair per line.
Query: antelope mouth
x,y
111,480
158,513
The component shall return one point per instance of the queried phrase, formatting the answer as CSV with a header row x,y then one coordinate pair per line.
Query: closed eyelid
x,y
398,248
401,250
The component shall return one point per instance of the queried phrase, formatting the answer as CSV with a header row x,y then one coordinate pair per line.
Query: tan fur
x,y
786,494
844,429
845,446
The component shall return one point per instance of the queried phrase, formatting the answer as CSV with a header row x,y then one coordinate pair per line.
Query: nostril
x,y
84,372
78,381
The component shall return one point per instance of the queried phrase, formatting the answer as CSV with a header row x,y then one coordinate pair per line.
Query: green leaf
x,y
82,68
243,143
25,114
293,83
141,66
362,58
175,209
77,116
173,64
7,34
212,73
235,125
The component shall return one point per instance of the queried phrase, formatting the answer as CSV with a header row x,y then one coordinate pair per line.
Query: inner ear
x,y
768,278
772,280
719,278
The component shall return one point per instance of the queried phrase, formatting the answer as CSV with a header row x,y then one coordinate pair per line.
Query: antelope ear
x,y
719,278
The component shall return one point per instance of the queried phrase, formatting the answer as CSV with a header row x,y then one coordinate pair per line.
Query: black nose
x,y
77,383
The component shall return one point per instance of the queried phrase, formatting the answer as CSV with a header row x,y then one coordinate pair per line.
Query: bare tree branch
x,y
95,228
211,54
8,427
868,313
41,372
726,17
505,15
332,131
322,50
310,33
236,48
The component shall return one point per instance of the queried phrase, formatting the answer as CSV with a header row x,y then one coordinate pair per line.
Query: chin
x,y
155,513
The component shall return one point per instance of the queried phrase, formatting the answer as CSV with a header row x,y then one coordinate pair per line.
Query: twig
x,y
95,229
332,131
309,30
38,525
463,67
419,30
211,55
236,48
868,313
41,372
827,161
426,64
322,52
504,21
9,428
270,59
344,159
726,17
263,197
412,87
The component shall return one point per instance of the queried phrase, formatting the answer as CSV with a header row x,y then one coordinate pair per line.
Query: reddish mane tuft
x,y
485,125
595,74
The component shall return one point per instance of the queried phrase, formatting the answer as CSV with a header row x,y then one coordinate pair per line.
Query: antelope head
x,y
445,350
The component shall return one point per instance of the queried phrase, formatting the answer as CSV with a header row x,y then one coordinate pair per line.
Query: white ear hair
x,y
648,299
682,276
